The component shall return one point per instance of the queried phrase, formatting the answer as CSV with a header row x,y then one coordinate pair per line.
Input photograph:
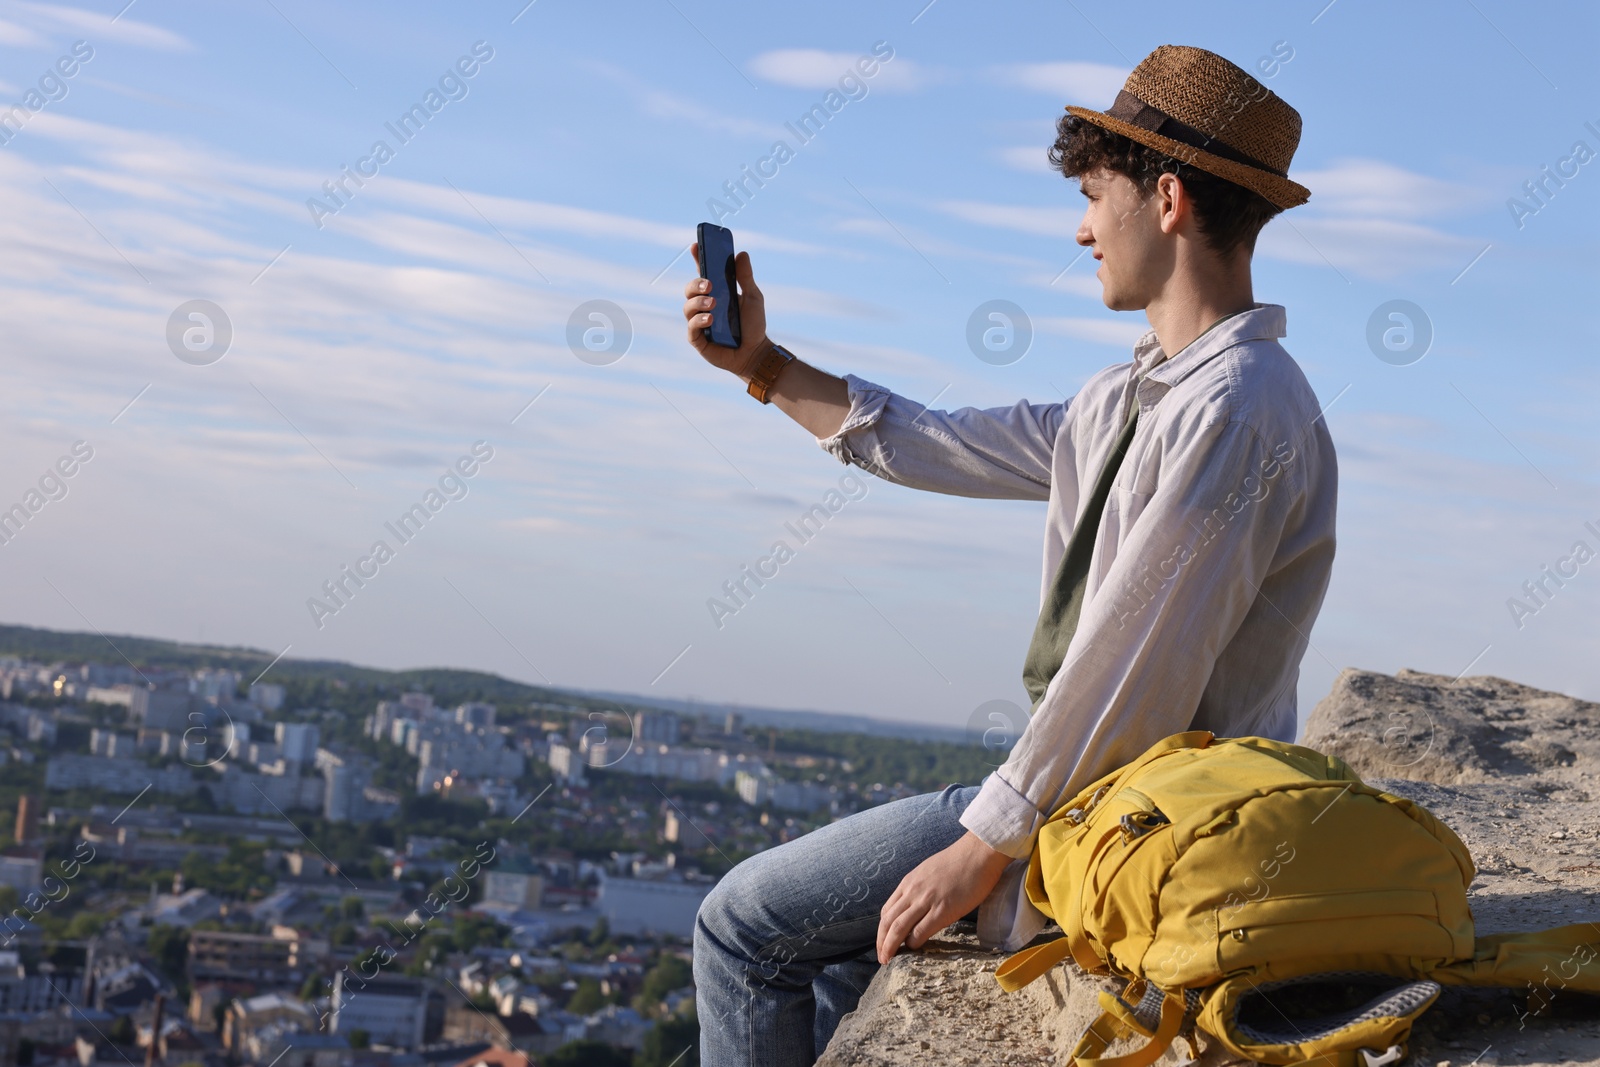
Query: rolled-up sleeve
x,y
1181,585
998,453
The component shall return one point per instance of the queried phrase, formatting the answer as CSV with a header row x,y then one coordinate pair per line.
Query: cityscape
x,y
331,871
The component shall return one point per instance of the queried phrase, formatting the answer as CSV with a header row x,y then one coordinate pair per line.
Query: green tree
x,y
360,1038
170,947
352,910
587,998
671,972
432,814
84,925
588,1054
121,1030
430,950
471,931
372,959
674,1042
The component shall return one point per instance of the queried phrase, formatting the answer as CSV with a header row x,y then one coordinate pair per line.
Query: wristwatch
x,y
767,369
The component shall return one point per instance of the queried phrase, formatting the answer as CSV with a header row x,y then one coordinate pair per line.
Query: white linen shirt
x,y
1210,562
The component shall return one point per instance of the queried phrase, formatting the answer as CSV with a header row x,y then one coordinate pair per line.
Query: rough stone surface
x,y
1515,771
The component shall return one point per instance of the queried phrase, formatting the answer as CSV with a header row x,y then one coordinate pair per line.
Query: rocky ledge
x,y
1514,770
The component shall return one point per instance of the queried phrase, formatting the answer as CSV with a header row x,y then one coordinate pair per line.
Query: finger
x,y
885,917
897,899
696,286
898,894
899,928
897,918
698,324
932,921
886,920
746,275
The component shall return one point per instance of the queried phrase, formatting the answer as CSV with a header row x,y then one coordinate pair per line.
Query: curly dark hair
x,y
1229,215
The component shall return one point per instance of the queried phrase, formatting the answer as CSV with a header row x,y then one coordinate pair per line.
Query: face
x,y
1123,228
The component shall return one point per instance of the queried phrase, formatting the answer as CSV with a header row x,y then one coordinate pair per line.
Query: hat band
x,y
1130,109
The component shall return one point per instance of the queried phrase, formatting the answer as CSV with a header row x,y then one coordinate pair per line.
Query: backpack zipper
x,y
1136,824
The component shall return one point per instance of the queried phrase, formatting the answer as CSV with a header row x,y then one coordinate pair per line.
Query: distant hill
x,y
48,646
448,684
796,719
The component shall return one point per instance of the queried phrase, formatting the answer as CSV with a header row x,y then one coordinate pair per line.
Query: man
x,y
1189,539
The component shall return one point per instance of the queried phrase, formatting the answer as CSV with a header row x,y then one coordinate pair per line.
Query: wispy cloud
x,y
1080,281
1119,333
660,103
1085,84
812,68
152,98
1375,188
14,36
97,26
1027,157
1042,221
1374,248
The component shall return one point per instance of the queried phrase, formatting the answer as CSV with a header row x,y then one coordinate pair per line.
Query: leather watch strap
x,y
765,374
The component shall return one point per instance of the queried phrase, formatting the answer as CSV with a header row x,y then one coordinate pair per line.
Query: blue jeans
x,y
786,943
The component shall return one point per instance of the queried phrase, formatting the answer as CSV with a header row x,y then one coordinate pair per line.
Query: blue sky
x,y
370,353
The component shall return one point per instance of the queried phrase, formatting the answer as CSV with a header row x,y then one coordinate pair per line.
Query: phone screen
x,y
716,265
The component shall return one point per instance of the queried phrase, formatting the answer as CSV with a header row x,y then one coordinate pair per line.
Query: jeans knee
x,y
718,916
735,922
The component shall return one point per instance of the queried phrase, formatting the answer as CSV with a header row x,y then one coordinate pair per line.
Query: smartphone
x,y
716,266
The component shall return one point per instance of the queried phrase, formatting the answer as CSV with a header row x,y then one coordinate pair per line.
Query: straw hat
x,y
1202,110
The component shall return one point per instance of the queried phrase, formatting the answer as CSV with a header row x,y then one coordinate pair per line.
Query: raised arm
x,y
1001,453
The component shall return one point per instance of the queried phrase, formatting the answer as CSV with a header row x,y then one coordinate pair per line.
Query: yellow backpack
x,y
1230,878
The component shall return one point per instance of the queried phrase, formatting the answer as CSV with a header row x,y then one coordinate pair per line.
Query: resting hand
x,y
937,892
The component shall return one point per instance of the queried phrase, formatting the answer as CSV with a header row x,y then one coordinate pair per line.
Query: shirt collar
x,y
1261,322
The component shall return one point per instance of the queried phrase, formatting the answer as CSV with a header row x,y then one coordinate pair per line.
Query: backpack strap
x,y
1034,962
1373,1034
1119,1020
1545,961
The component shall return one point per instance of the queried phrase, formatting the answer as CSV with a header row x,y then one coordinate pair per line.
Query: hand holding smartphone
x,y
717,266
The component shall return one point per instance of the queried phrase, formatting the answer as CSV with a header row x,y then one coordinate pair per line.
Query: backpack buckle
x,y
1374,1058
1136,824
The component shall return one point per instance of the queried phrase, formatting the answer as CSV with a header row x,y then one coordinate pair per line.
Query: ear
x,y
1171,202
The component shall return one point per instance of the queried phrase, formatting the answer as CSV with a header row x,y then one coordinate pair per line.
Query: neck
x,y
1194,299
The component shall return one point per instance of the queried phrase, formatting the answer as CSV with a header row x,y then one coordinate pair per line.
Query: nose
x,y
1085,234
